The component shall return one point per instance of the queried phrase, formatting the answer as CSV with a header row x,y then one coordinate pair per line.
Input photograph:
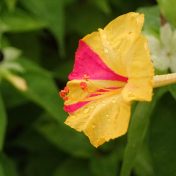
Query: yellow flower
x,y
112,68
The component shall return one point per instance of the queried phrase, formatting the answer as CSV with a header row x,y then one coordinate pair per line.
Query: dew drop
x,y
86,110
103,103
68,122
130,94
106,50
72,116
91,107
113,100
107,115
93,126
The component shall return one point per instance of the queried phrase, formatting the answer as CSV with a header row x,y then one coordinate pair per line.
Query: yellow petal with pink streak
x,y
102,120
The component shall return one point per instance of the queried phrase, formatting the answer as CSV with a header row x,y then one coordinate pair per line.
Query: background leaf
x,y
11,4
42,89
18,21
143,165
7,167
137,131
3,123
51,13
64,138
162,137
103,5
105,165
168,10
152,19
76,168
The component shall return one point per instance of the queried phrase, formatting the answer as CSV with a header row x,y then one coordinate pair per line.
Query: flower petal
x,y
115,40
154,45
140,72
173,42
102,120
166,35
87,62
158,54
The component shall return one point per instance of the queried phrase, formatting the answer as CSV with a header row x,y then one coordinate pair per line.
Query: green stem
x,y
164,80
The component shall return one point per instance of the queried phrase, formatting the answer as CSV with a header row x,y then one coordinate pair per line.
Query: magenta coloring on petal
x,y
73,107
87,62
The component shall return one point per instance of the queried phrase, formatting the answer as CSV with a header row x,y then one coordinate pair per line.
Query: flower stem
x,y
164,80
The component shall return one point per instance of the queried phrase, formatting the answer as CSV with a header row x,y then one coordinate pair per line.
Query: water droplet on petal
x,y
93,126
106,50
113,100
72,116
91,107
130,94
86,110
103,103
68,122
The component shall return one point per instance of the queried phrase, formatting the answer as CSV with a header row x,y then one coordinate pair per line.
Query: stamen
x,y
98,95
83,85
66,89
86,77
102,89
63,93
95,91
65,98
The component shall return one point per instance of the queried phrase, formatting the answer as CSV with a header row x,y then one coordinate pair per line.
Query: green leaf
x,y
11,4
64,137
11,96
42,164
137,131
7,166
24,41
18,21
86,22
107,164
103,5
34,141
172,89
162,137
152,19
73,167
167,8
122,7
3,122
143,164
63,70
42,89
1,167
51,13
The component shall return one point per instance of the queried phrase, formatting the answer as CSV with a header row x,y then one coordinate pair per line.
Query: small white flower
x,y
163,49
11,54
9,67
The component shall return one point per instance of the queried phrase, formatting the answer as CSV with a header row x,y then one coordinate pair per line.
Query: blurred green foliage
x,y
42,36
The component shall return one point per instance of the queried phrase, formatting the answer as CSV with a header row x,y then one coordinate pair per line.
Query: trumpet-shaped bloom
x,y
112,68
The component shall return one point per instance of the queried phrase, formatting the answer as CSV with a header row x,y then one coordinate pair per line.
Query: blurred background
x,y
38,39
